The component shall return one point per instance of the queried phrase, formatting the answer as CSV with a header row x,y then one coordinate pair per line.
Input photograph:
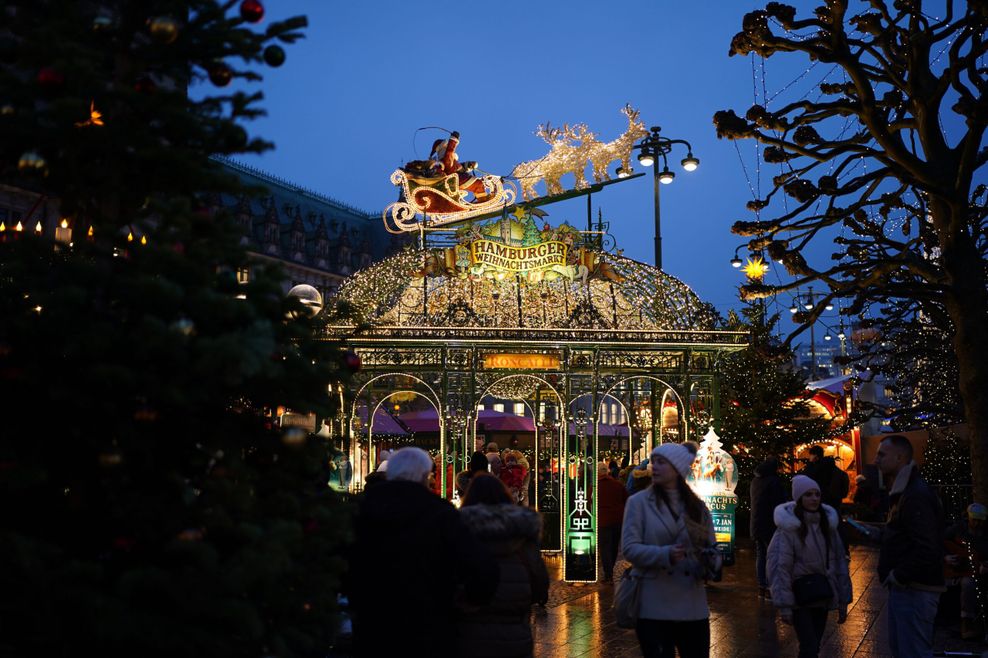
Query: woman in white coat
x,y
806,542
666,528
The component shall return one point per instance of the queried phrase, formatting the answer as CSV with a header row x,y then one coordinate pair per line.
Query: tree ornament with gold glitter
x,y
220,74
102,24
252,11
32,162
163,29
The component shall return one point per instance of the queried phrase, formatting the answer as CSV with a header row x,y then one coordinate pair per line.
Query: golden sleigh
x,y
440,200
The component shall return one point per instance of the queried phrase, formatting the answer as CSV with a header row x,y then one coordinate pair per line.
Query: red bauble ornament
x,y
50,78
145,85
220,74
352,361
251,11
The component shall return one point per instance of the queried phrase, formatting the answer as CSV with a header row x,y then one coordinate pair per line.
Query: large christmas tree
x,y
151,506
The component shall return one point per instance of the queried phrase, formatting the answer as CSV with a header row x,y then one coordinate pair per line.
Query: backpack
x,y
839,485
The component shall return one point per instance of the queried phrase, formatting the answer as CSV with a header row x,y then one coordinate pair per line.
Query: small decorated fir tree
x,y
764,408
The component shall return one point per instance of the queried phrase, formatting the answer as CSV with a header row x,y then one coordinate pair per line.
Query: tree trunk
x,y
967,303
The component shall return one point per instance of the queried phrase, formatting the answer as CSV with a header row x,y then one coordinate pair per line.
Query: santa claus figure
x,y
444,152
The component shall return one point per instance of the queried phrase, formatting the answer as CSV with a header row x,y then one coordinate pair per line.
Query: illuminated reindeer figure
x,y
568,155
602,154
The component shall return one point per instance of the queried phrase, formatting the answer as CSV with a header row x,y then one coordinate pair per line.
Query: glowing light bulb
x,y
690,163
666,176
646,159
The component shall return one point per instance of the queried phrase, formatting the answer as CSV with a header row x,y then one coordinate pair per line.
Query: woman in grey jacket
x,y
666,527
806,542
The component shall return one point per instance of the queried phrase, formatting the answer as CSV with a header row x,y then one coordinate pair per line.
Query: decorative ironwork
x,y
640,361
418,357
573,336
460,314
585,316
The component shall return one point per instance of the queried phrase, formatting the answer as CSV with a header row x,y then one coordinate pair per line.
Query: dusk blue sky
x,y
344,109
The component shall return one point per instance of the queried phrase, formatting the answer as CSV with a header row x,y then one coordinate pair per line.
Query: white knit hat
x,y
680,455
801,484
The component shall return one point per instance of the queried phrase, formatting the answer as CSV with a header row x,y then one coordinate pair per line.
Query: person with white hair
x,y
411,560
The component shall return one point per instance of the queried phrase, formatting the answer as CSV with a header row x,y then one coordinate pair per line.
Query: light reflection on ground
x,y
578,620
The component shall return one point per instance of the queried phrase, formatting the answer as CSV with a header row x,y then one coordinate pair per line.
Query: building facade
x,y
316,239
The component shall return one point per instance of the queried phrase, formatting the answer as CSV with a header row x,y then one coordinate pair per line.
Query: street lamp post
x,y
809,301
652,148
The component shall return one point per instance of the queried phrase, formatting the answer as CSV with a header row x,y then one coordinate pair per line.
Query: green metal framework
x,y
604,343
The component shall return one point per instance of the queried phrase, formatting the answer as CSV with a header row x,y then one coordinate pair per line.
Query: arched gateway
x,y
609,356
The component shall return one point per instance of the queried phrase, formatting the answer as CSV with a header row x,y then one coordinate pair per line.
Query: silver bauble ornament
x,y
308,297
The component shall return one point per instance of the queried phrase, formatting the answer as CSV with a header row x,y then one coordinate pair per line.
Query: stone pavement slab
x,y
578,620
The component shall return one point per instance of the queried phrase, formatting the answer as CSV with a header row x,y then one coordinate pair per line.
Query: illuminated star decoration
x,y
519,213
755,269
95,117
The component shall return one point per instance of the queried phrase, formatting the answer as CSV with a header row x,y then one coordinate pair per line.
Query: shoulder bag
x,y
627,599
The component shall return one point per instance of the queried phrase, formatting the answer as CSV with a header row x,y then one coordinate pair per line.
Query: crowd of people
x,y
428,579
463,581
801,547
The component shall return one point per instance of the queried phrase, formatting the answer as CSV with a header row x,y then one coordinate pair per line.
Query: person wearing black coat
x,y
911,560
767,492
412,561
500,629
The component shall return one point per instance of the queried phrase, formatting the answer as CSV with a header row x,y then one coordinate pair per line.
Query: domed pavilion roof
x,y
412,289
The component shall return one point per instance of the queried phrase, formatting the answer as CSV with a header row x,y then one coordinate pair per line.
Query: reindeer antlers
x,y
630,112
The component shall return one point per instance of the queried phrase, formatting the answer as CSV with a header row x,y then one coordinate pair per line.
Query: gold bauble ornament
x,y
163,29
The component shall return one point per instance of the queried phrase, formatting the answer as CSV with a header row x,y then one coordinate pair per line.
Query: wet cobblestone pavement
x,y
578,620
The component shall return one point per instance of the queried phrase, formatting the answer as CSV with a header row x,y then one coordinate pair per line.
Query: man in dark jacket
x,y
911,560
411,560
610,516
767,493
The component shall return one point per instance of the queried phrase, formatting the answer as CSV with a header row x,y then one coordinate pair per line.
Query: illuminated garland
x,y
643,297
514,388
